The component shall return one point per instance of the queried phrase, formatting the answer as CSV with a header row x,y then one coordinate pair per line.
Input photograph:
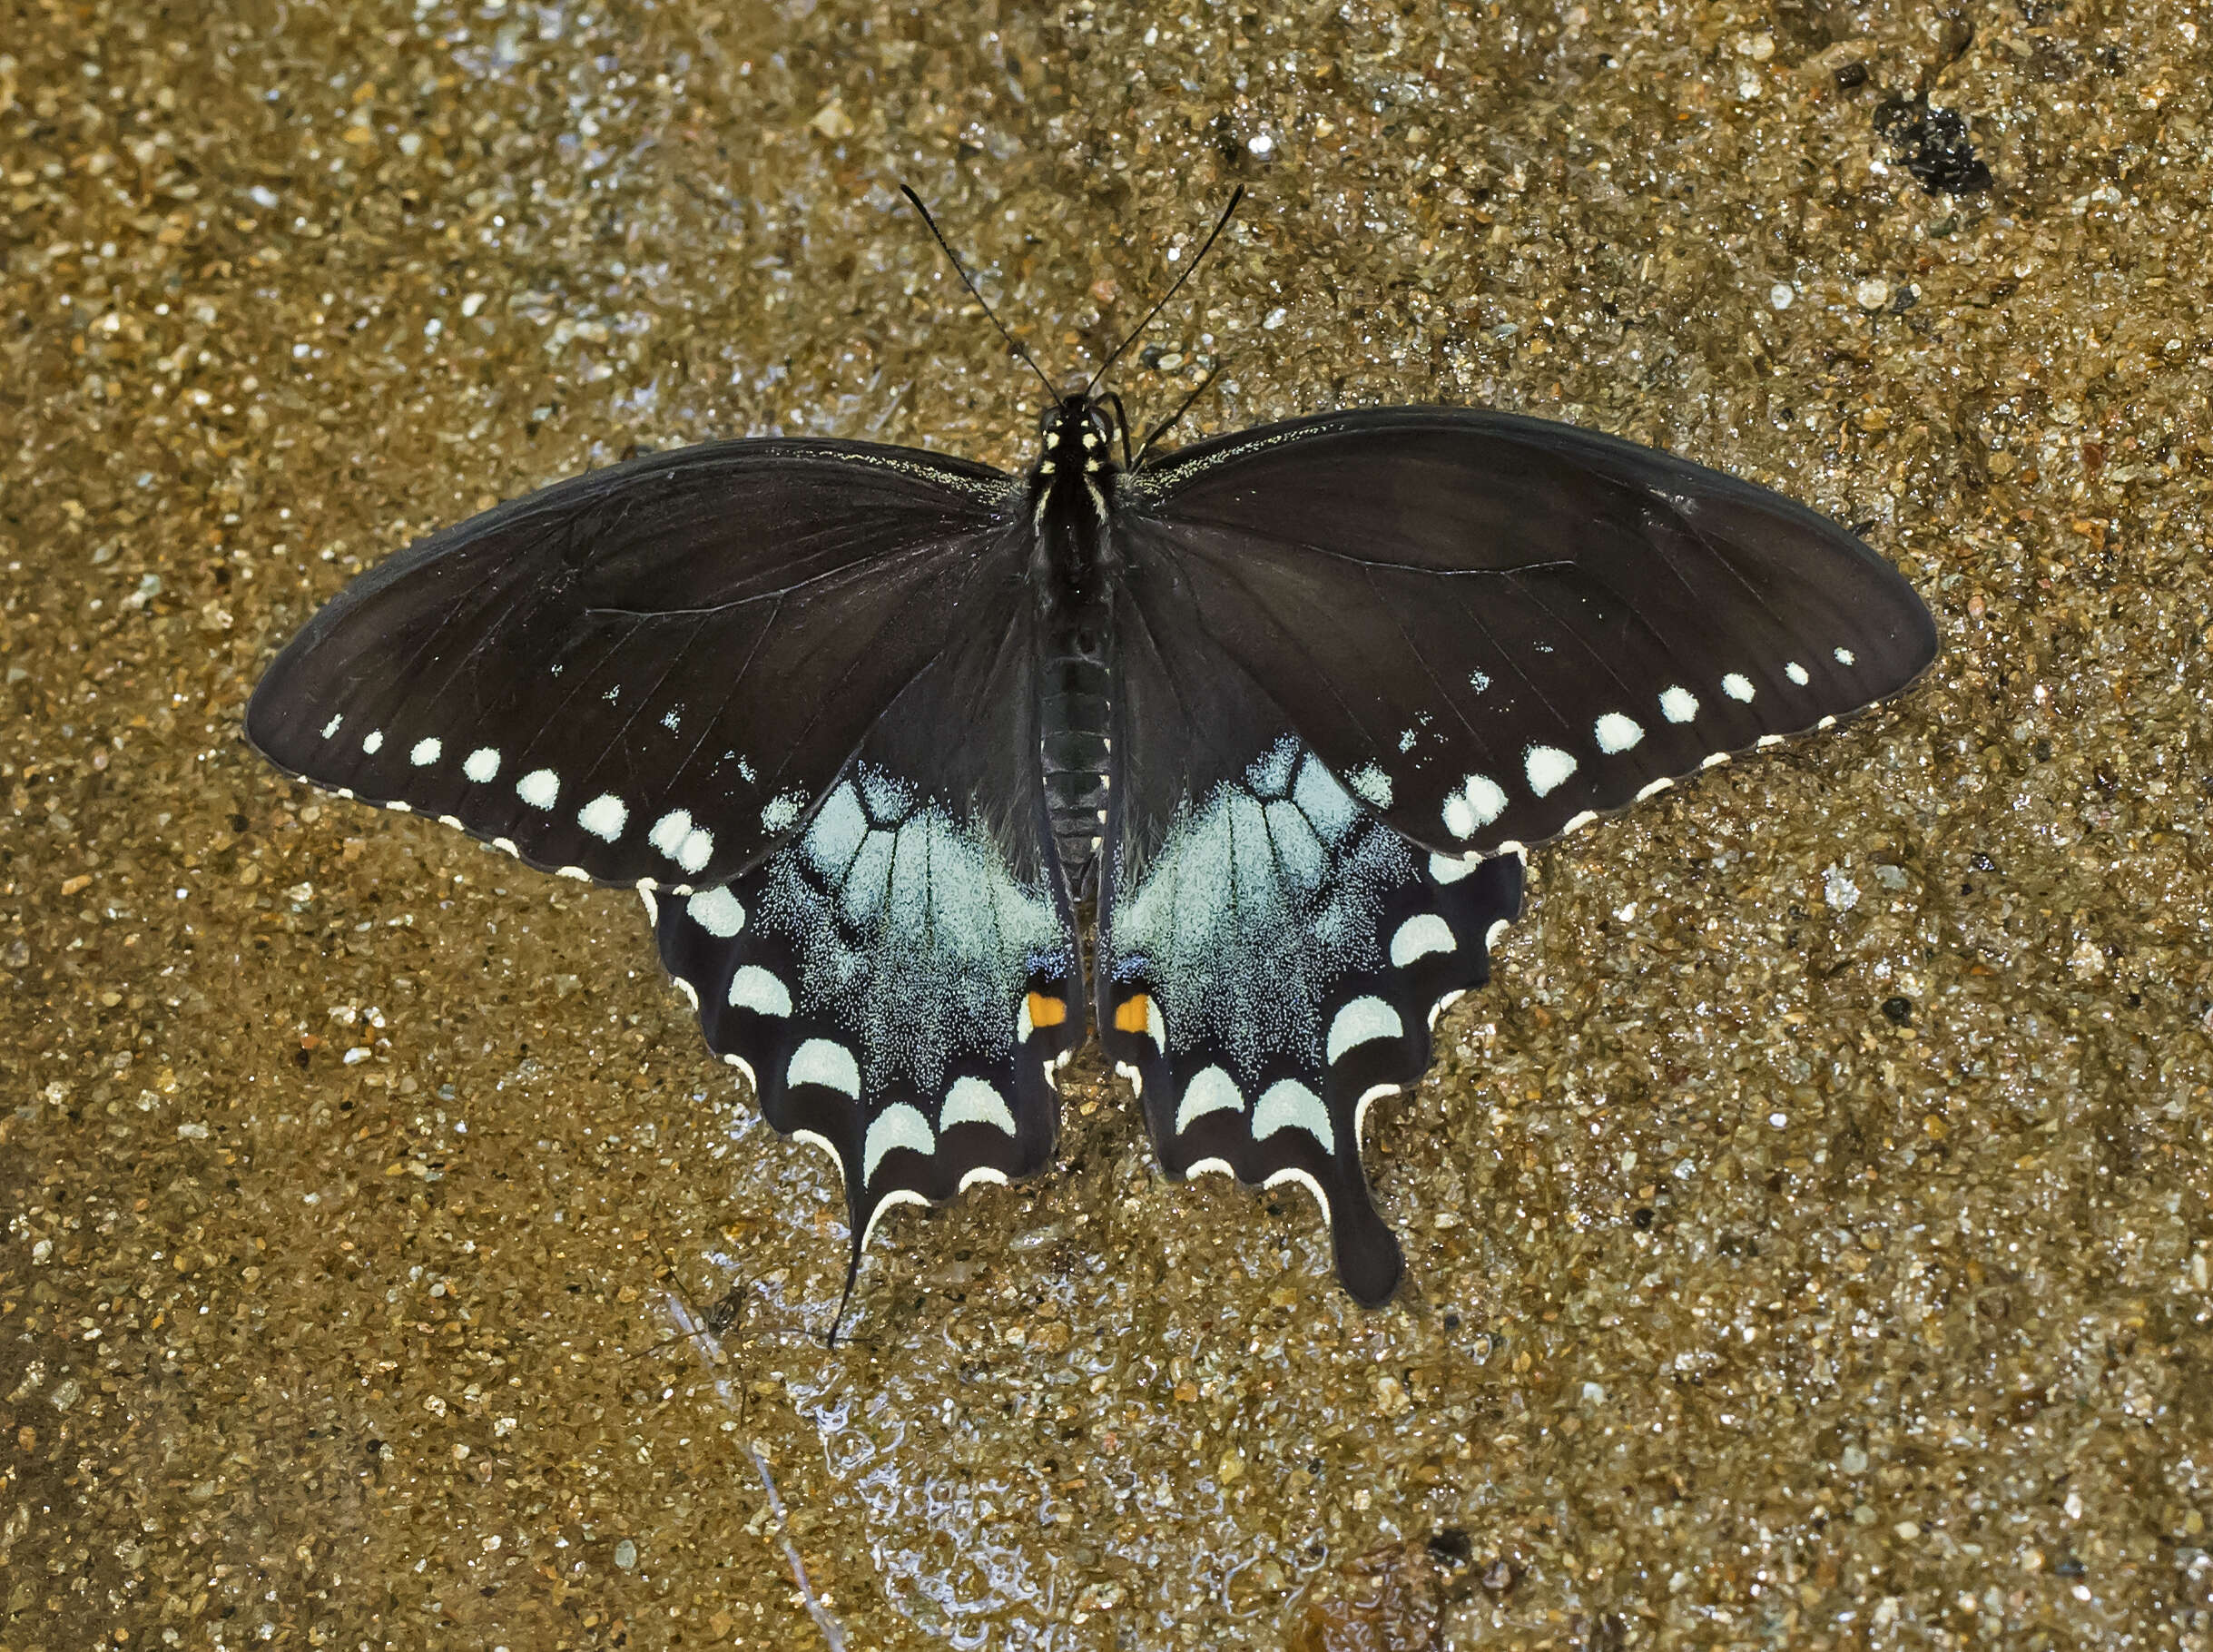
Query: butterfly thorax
x,y
1073,568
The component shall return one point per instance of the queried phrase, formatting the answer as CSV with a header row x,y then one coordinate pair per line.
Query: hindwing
x,y
1271,955
901,983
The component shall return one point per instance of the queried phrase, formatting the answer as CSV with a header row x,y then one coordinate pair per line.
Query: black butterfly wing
x,y
1365,658
1496,629
648,674
900,983
1271,955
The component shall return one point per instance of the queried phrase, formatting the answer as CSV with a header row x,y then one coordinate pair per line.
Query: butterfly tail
x,y
845,1297
1304,1121
988,1112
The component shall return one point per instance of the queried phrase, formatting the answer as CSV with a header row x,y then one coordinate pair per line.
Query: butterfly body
x,y
866,725
1073,572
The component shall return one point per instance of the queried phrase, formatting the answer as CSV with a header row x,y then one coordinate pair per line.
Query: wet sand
x,y
1807,1231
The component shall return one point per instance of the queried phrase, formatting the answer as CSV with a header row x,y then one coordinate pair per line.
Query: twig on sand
x,y
833,1634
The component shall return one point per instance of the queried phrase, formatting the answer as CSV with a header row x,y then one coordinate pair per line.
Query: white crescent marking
x,y
1289,1174
1363,1021
1421,936
898,1125
831,1066
1359,1110
1289,1105
896,1196
1211,1090
759,990
971,1101
813,1140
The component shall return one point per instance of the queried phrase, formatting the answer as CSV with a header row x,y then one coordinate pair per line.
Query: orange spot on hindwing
x,y
1046,1012
1129,1017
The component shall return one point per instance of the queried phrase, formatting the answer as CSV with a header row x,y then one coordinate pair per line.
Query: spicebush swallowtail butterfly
x,y
867,724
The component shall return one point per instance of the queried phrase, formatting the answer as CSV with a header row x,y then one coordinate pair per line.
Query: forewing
x,y
901,983
1272,955
650,673
1495,629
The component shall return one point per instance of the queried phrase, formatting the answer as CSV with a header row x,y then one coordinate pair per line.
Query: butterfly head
x,y
1075,465
1078,434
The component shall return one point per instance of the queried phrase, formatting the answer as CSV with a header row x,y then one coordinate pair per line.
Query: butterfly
x,y
871,728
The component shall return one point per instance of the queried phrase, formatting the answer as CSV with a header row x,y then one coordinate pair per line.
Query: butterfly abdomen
x,y
1076,702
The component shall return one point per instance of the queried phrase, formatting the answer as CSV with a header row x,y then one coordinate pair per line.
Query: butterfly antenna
x,y
1176,286
1012,343
1169,423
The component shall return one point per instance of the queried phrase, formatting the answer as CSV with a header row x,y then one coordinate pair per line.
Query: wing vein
x,y
825,695
737,682
1313,548
917,551
1536,692
1536,599
1429,671
1326,678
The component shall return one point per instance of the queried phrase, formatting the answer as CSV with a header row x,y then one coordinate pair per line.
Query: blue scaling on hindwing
x,y
1257,902
1273,968
907,929
888,983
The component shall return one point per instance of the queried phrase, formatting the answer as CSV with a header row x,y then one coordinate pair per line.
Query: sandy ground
x,y
1808,1231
